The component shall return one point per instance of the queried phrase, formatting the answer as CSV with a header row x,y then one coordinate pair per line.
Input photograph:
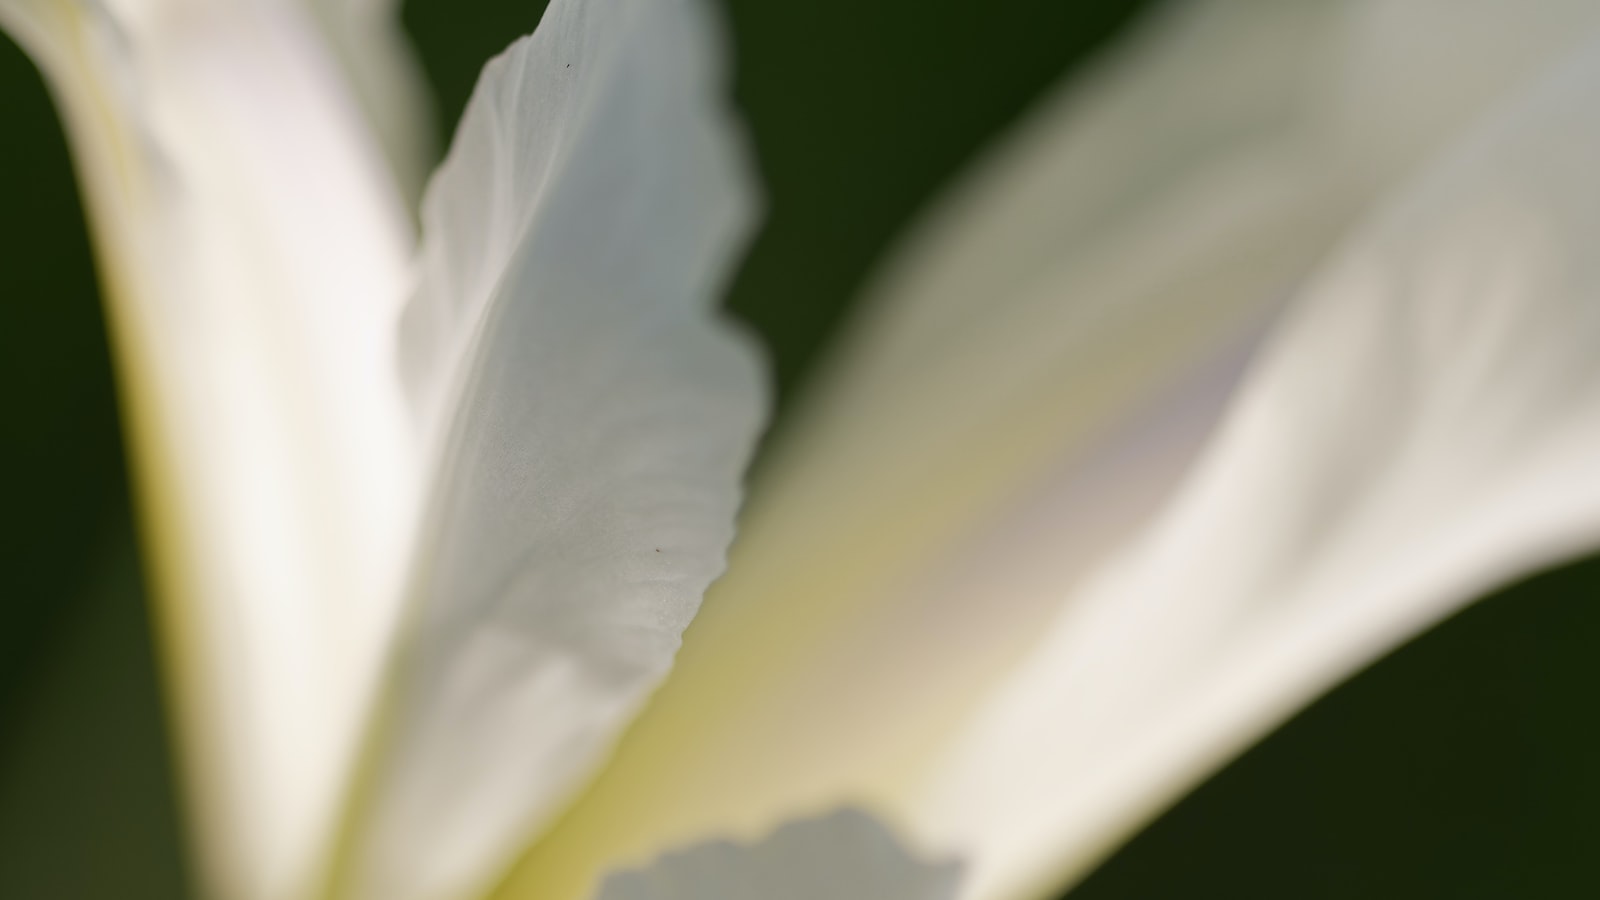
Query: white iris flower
x,y
1264,348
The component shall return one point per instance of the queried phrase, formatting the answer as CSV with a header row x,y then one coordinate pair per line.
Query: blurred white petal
x,y
384,75
1422,427
846,855
1034,379
591,416
253,253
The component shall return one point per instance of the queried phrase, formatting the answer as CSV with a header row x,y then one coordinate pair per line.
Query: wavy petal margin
x,y
592,417
845,855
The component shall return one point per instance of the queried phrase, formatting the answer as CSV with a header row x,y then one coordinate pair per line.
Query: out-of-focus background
x,y
1466,765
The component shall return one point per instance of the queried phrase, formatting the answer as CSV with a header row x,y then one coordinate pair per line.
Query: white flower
x,y
1267,347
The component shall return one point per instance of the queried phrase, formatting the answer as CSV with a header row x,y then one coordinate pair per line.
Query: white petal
x,y
387,80
594,418
1423,427
1037,375
846,855
253,254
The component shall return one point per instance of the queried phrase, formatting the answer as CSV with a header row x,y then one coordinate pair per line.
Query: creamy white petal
x,y
1422,427
1038,372
253,255
592,416
387,80
846,855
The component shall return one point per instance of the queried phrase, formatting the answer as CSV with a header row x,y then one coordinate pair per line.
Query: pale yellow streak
x,y
1134,235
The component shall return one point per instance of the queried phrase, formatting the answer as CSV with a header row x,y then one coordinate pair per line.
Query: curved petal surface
x,y
1422,427
591,418
253,254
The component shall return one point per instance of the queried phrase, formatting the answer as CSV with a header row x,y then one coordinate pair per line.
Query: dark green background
x,y
1462,766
